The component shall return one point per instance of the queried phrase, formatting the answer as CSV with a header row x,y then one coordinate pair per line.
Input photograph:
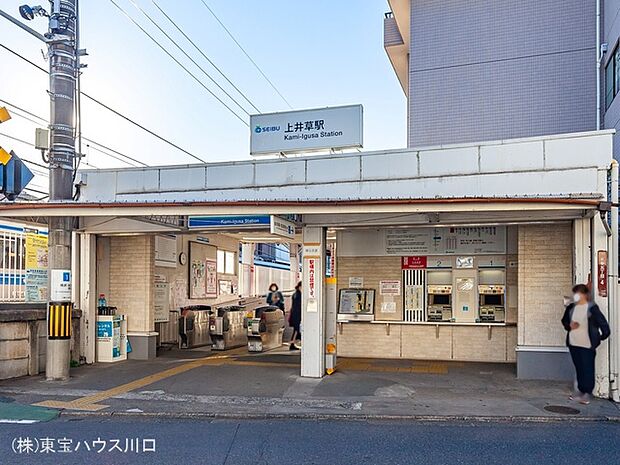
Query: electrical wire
x,y
110,109
23,141
246,53
33,115
188,56
199,50
165,50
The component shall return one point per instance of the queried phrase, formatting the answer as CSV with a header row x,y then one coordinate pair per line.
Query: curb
x,y
344,417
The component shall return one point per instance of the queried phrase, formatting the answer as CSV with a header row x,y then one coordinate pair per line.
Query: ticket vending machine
x,y
465,295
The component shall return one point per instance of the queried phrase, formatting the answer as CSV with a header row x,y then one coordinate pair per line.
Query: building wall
x,y
178,277
23,341
373,270
611,35
498,69
131,278
545,276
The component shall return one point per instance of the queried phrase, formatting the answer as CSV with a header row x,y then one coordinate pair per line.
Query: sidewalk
x,y
238,384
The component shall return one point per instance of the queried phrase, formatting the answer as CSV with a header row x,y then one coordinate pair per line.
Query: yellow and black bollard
x,y
59,320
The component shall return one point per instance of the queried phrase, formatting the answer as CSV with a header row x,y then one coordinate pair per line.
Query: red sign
x,y
413,263
602,273
311,278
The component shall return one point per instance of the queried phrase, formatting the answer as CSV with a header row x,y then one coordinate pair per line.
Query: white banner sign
x,y
282,227
306,130
60,286
389,287
446,241
312,278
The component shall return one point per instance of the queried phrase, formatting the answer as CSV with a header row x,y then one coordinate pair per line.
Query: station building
x,y
462,252
451,249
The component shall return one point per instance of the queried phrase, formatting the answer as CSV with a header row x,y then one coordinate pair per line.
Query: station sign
x,y
281,227
307,130
227,221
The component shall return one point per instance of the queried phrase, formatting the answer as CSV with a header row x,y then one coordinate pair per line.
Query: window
x,y
612,77
226,262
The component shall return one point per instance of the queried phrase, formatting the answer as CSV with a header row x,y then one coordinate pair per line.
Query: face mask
x,y
577,297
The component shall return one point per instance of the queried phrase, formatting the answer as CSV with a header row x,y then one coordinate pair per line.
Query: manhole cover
x,y
561,409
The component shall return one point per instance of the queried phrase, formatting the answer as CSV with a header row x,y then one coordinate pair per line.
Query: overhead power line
x,y
107,107
45,121
246,53
165,50
23,141
199,50
189,57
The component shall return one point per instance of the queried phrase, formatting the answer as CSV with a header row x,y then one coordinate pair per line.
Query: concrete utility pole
x,y
64,69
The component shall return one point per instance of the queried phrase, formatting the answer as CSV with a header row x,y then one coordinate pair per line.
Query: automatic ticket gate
x,y
265,328
226,326
194,326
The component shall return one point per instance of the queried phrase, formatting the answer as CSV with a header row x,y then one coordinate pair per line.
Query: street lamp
x,y
29,12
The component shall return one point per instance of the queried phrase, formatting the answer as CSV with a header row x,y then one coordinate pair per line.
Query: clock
x,y
182,258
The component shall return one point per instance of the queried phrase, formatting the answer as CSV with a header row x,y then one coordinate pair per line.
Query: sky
x,y
319,53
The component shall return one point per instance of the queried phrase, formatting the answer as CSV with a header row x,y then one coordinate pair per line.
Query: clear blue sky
x,y
319,53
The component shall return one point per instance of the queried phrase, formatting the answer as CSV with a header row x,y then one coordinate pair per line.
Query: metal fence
x,y
12,264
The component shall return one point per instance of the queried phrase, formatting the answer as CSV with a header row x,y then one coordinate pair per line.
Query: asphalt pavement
x,y
115,440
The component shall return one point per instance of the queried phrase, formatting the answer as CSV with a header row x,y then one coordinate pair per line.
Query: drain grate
x,y
561,409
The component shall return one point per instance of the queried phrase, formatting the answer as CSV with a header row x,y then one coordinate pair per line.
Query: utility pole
x,y
64,69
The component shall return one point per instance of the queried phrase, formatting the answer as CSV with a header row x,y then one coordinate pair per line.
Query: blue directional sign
x,y
14,177
243,221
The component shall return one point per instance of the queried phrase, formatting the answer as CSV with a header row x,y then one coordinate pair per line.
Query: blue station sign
x,y
226,221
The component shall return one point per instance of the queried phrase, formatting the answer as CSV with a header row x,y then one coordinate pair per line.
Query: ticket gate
x,y
194,326
265,328
226,326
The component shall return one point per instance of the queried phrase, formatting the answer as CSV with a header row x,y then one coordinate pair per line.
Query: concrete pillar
x,y
88,295
313,303
294,260
599,243
246,275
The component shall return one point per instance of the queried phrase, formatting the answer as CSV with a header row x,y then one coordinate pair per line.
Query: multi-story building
x,y
498,69
610,26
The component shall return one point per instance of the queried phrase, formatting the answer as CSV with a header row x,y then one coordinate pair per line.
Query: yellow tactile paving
x,y
380,366
90,402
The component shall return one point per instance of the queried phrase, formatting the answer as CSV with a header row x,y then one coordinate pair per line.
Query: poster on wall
x,y
389,287
36,281
161,299
446,241
211,285
201,257
198,279
357,301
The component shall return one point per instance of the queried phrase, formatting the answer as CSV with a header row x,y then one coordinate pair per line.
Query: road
x,y
182,441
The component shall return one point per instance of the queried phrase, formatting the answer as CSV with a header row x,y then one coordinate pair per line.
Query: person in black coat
x,y
586,327
275,297
294,318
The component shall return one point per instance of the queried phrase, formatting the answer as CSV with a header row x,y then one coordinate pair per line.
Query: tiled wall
x,y
498,69
545,276
132,265
428,342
